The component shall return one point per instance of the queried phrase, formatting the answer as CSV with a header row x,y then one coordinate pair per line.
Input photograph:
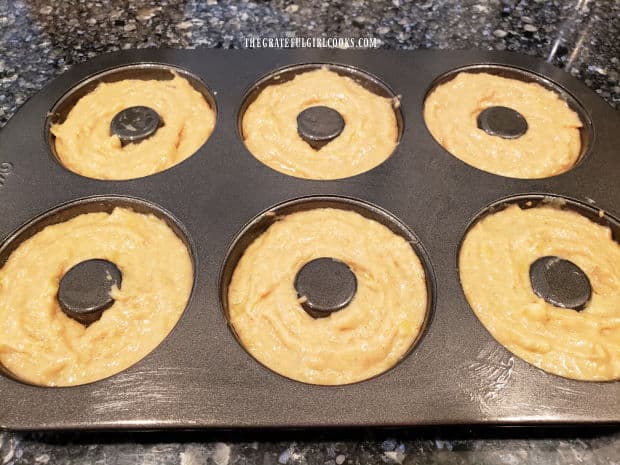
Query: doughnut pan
x,y
200,376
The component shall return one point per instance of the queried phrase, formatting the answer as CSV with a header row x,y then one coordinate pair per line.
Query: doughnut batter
x,y
494,266
368,139
41,345
362,340
550,146
85,145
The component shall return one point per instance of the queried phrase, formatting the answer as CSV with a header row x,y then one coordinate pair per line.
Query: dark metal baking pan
x,y
200,377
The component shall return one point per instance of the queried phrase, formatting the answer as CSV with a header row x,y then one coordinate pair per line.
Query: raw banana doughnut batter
x,y
550,146
369,136
363,339
494,264
85,145
40,344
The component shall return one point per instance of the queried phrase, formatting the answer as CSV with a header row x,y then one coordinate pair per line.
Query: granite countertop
x,y
41,39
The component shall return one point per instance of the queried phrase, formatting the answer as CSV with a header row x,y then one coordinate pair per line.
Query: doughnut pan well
x,y
221,197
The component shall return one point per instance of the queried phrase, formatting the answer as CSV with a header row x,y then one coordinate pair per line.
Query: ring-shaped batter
x,y
550,146
41,345
368,139
494,264
85,145
362,340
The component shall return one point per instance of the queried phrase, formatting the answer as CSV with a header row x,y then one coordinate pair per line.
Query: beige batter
x,y
369,136
41,345
365,338
550,146
494,263
84,143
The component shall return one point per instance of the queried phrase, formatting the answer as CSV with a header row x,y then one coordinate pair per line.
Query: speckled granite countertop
x,y
41,39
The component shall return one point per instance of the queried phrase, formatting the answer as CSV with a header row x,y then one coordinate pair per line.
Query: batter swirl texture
x,y
41,345
85,145
494,264
362,340
550,146
368,139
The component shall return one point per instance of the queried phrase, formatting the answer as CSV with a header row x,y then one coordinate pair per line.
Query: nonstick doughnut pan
x,y
200,376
